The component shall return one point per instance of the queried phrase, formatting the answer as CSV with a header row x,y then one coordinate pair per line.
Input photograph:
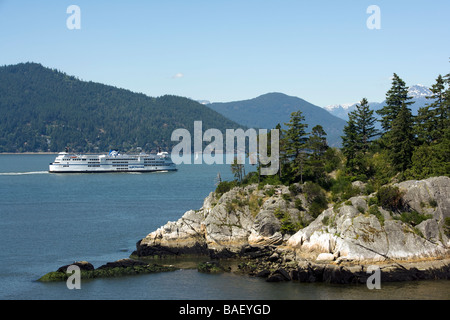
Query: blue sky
x,y
225,50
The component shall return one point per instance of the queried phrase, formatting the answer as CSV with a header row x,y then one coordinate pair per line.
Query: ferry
x,y
111,162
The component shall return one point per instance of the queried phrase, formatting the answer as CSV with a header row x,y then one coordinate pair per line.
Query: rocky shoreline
x,y
272,233
279,264
341,245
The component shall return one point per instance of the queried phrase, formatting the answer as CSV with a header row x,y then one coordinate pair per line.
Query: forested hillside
x,y
43,109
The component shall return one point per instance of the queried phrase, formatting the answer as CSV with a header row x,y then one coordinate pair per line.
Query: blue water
x,y
50,220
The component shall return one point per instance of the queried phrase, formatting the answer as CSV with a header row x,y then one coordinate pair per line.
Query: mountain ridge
x,y
267,110
45,110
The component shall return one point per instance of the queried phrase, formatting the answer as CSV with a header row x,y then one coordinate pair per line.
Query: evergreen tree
x,y
365,125
317,144
295,135
431,160
441,104
433,119
295,138
424,128
395,98
350,140
401,139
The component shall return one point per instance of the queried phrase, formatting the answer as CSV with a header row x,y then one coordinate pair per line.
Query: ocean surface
x,y
50,220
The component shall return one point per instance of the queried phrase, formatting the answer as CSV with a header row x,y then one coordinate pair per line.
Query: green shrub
x,y
279,213
349,192
269,192
316,198
360,177
413,217
272,180
287,225
312,190
390,198
373,201
342,189
250,178
299,204
294,189
376,212
286,196
317,206
333,159
370,188
433,203
225,186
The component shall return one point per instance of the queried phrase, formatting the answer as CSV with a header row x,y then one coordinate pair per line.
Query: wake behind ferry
x,y
111,162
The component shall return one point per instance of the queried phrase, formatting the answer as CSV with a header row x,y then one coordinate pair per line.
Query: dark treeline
x,y
46,110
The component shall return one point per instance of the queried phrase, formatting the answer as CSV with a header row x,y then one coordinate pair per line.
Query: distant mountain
x,y
44,109
418,93
268,110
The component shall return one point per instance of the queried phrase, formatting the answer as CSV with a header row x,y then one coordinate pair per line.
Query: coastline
x,y
241,231
337,246
279,264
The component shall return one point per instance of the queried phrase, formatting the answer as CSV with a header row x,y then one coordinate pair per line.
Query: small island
x,y
123,267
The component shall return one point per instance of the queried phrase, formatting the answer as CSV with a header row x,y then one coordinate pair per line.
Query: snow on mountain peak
x,y
419,91
344,106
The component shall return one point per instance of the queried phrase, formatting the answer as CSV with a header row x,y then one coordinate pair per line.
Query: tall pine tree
x,y
317,144
431,119
357,139
365,125
401,139
295,138
440,108
395,98
350,141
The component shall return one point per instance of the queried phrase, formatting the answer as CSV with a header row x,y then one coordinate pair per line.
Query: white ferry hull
x,y
59,169
114,162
